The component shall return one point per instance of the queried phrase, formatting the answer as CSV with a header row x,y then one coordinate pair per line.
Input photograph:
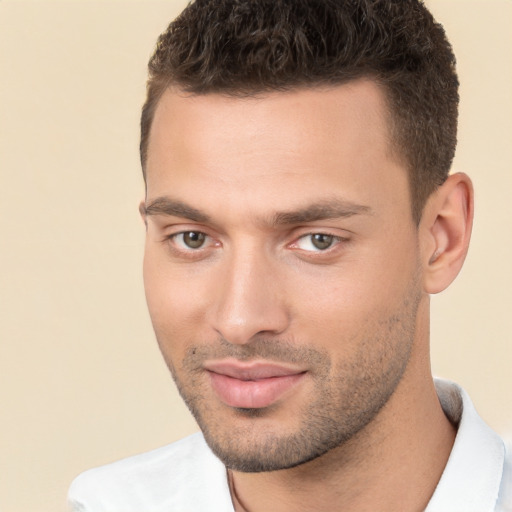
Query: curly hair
x,y
248,47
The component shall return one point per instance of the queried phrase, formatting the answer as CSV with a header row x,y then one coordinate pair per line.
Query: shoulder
x,y
505,495
184,475
474,478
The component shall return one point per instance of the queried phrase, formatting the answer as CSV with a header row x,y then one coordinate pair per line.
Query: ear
x,y
445,231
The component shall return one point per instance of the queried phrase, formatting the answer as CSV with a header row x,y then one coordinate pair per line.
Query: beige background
x,y
81,380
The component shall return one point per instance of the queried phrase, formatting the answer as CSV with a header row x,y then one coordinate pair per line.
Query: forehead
x,y
281,144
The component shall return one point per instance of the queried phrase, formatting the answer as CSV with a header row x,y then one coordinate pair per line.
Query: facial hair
x,y
346,396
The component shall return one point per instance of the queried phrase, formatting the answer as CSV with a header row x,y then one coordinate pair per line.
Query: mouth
x,y
252,385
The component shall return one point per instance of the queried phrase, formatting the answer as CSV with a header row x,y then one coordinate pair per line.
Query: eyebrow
x,y
320,210
174,208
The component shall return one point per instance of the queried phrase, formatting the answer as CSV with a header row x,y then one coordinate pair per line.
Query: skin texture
x,y
252,180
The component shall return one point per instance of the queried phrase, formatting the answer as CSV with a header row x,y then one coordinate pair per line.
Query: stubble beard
x,y
347,397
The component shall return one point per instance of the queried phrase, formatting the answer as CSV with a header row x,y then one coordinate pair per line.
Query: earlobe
x,y
445,232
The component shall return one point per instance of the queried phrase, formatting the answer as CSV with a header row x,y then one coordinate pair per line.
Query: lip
x,y
252,385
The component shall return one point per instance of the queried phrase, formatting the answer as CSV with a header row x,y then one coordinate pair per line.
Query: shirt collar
x,y
471,479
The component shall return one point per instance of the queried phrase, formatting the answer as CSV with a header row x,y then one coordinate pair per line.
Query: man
x,y
299,213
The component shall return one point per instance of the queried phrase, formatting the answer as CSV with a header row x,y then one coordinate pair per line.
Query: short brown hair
x,y
247,47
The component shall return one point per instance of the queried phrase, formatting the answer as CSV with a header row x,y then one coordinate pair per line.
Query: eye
x,y
190,239
316,242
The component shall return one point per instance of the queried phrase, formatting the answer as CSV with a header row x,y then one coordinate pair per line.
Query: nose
x,y
249,298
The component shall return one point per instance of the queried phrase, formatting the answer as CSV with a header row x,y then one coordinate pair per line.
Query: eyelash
x,y
333,242
173,238
198,251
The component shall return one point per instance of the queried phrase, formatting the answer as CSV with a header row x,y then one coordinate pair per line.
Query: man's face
x,y
281,266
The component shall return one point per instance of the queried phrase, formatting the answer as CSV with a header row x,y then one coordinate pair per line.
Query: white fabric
x,y
472,477
182,477
187,477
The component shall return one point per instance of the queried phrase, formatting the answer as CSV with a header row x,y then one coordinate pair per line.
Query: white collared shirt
x,y
187,477
473,479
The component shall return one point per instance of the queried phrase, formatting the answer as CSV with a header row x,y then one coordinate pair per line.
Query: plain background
x,y
81,379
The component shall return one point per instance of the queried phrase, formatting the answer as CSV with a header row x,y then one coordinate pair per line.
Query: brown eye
x,y
321,241
316,242
192,239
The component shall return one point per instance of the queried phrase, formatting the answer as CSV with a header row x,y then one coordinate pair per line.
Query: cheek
x,y
173,300
363,291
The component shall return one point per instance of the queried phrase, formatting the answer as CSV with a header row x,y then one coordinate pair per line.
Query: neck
x,y
394,463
